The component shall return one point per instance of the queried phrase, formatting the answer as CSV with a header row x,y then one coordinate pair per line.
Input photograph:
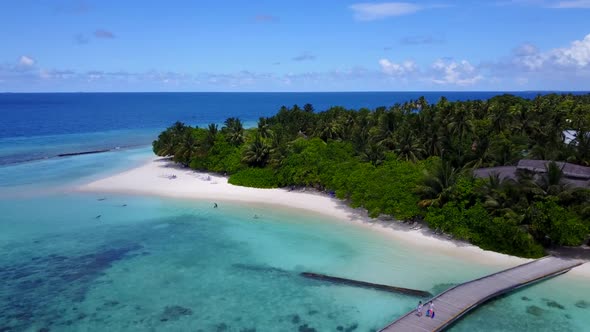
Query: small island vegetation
x,y
416,161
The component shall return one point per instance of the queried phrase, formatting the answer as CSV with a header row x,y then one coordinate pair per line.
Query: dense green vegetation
x,y
414,161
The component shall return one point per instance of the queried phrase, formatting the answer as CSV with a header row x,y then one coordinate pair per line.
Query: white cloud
x,y
455,73
528,56
397,69
238,79
578,54
44,74
26,61
377,11
56,74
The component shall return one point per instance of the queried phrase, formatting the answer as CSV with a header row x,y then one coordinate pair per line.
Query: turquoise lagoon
x,y
74,261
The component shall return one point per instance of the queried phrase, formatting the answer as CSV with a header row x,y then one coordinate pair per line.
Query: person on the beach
x,y
419,309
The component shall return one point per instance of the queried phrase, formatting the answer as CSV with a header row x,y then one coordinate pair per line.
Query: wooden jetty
x,y
455,302
358,283
82,153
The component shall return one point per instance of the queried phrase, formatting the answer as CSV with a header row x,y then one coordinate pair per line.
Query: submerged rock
x,y
524,298
110,303
306,328
221,327
351,327
248,329
582,304
554,304
175,312
265,269
535,311
312,312
296,319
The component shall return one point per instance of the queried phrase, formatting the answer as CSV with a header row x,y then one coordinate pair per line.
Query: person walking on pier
x,y
430,310
419,309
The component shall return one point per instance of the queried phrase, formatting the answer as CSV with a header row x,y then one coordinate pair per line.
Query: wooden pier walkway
x,y
455,302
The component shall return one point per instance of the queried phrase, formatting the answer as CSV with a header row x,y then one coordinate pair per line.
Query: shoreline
x,y
162,177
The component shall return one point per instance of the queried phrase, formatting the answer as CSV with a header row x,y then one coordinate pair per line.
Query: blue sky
x,y
253,45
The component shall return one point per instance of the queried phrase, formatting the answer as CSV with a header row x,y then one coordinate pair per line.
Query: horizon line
x,y
343,91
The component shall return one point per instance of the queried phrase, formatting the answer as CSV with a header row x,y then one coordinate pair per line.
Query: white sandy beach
x,y
156,178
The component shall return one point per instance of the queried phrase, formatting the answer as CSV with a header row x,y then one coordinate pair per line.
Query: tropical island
x,y
443,163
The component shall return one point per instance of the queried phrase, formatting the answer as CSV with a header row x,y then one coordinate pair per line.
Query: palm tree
x,y
528,185
256,153
178,128
461,125
549,183
346,123
164,145
235,131
544,150
374,153
421,103
581,147
408,147
360,133
483,154
187,148
552,180
438,184
330,130
385,131
278,148
169,140
498,195
211,135
264,127
500,119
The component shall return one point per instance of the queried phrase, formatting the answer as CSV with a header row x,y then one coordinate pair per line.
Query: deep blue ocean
x,y
80,261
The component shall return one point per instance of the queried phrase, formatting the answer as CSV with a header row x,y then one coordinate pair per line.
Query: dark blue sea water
x,y
37,126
